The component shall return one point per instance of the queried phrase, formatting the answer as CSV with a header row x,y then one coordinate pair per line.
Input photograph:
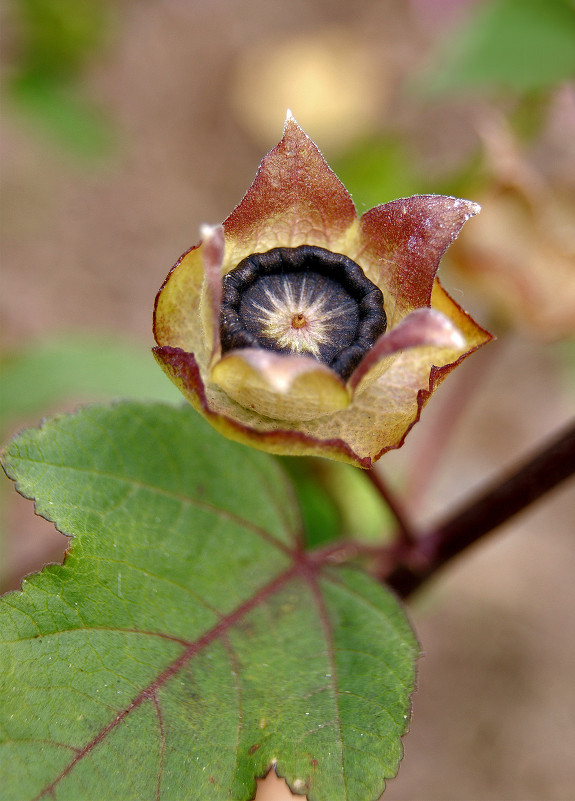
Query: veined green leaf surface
x,y
188,642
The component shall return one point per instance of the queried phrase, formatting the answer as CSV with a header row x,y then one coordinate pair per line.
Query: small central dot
x,y
298,321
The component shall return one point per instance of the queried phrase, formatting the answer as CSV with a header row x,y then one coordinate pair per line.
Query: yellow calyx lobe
x,y
304,300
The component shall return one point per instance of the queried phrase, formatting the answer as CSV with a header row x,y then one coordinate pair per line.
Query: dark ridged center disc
x,y
304,300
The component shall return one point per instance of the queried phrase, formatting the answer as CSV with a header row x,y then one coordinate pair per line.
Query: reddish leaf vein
x,y
150,692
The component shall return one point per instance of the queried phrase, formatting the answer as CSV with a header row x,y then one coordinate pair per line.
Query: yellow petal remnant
x,y
280,387
299,328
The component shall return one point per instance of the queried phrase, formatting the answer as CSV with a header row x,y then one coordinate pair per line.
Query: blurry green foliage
x,y
54,41
382,169
337,500
378,170
79,367
319,511
363,513
526,47
517,45
57,37
60,112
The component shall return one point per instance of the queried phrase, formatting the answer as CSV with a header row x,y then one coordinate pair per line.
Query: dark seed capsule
x,y
302,300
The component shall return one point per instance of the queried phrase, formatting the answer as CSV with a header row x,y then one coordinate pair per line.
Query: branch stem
x,y
486,512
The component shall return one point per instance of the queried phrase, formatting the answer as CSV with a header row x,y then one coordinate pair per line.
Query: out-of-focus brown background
x,y
127,125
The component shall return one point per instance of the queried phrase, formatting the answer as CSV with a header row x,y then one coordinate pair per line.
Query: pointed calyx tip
x,y
207,232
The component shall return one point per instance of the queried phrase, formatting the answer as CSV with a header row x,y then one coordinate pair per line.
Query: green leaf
x,y
522,45
79,368
188,642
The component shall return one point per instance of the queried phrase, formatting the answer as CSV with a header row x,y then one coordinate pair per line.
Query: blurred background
x,y
126,125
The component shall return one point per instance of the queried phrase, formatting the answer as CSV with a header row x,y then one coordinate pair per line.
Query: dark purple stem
x,y
489,510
